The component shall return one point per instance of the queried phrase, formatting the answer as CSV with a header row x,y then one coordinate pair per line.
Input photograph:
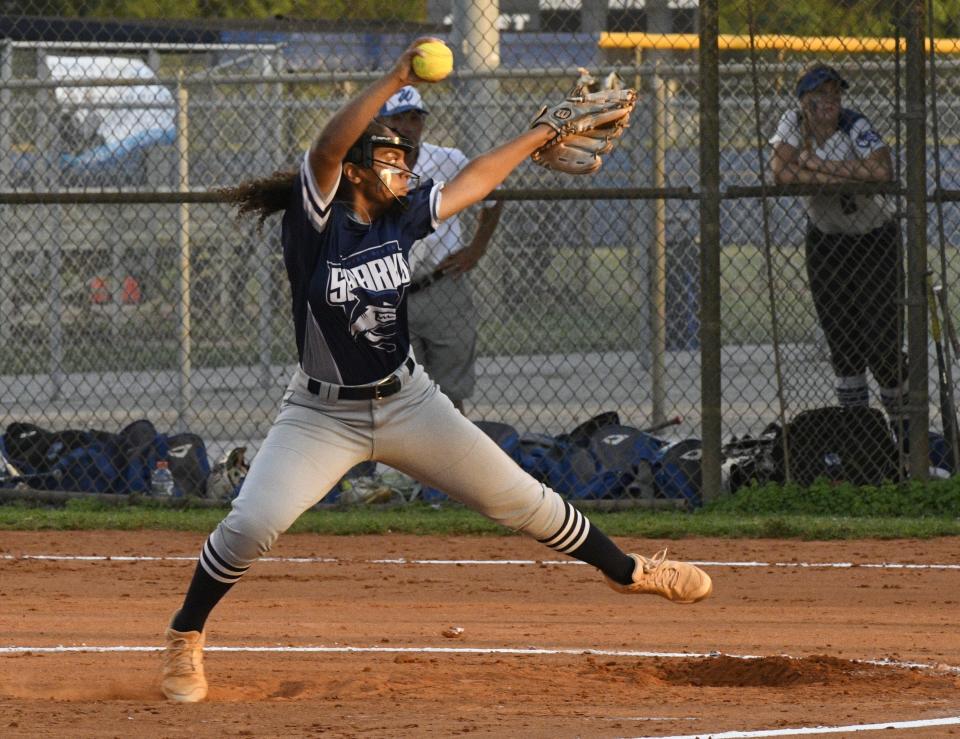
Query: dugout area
x,y
818,619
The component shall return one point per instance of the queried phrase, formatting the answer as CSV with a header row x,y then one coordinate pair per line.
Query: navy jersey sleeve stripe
x,y
315,205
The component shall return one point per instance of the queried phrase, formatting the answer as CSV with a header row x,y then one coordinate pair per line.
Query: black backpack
x,y
852,444
187,455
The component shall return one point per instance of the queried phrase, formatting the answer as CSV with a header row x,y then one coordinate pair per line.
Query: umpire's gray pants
x,y
314,442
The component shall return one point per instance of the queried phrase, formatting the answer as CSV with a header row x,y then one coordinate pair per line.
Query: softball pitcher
x,y
350,216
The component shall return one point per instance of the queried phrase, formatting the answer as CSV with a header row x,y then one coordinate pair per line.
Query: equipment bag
x,y
73,459
101,462
677,471
748,460
624,459
137,448
566,463
601,458
939,452
648,466
853,444
189,463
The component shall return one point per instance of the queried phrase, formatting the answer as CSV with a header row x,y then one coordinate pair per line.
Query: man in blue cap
x,y
441,314
853,254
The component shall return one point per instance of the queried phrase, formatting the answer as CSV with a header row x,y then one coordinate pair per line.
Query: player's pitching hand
x,y
403,68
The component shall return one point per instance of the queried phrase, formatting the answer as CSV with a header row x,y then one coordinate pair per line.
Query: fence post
x,y
6,168
710,339
49,150
658,21
272,65
476,41
916,201
658,252
643,121
185,392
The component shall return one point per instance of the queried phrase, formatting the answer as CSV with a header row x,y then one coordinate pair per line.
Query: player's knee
x,y
541,515
242,540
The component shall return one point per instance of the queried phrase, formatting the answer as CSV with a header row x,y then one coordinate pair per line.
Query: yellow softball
x,y
435,63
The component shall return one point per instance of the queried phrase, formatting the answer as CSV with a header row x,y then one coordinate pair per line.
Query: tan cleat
x,y
183,679
676,581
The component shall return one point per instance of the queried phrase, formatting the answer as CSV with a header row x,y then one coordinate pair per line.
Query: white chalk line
x,y
521,651
463,562
921,723
343,649
810,730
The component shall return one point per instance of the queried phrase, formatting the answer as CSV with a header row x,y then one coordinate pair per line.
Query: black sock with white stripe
x,y
203,594
577,538
211,581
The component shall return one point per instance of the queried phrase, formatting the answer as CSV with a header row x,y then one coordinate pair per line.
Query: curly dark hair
x,y
268,195
263,196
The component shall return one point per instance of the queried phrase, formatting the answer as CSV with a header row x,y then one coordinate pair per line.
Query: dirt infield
x,y
519,668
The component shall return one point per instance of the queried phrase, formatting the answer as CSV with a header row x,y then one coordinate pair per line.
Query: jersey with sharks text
x,y
349,280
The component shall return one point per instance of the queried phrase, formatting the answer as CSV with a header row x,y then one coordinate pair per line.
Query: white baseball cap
x,y
408,98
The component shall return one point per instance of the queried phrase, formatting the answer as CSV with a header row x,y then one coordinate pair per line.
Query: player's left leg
x,y
424,436
303,456
834,271
884,325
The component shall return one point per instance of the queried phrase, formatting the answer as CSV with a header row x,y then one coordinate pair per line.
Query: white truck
x,y
107,133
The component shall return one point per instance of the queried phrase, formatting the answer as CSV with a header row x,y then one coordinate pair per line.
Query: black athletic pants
x,y
856,282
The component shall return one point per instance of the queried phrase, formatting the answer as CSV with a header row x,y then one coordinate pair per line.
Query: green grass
x,y
724,519
935,499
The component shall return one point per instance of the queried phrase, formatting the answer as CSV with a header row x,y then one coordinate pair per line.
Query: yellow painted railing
x,y
769,42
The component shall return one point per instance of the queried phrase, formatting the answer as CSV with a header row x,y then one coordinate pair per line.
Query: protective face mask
x,y
389,171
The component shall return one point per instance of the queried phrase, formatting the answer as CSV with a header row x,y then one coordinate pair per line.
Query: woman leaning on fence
x,y
852,241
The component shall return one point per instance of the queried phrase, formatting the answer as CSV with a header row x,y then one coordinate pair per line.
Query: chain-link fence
x,y
129,290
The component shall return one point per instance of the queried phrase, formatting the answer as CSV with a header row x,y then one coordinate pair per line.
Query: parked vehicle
x,y
104,135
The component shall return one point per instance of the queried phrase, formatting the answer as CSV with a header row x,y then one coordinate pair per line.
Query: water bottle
x,y
161,480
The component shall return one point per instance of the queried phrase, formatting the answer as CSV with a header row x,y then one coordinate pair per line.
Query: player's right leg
x,y
883,324
304,455
430,440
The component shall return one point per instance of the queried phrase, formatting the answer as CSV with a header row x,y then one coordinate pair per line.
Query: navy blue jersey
x,y
349,280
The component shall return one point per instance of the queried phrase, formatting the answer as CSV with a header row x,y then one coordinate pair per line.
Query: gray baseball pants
x,y
315,441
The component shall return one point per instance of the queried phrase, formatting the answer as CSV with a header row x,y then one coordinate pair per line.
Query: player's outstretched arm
x,y
579,129
485,172
344,128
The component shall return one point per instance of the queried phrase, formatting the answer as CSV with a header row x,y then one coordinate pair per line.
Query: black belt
x,y
425,282
383,389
